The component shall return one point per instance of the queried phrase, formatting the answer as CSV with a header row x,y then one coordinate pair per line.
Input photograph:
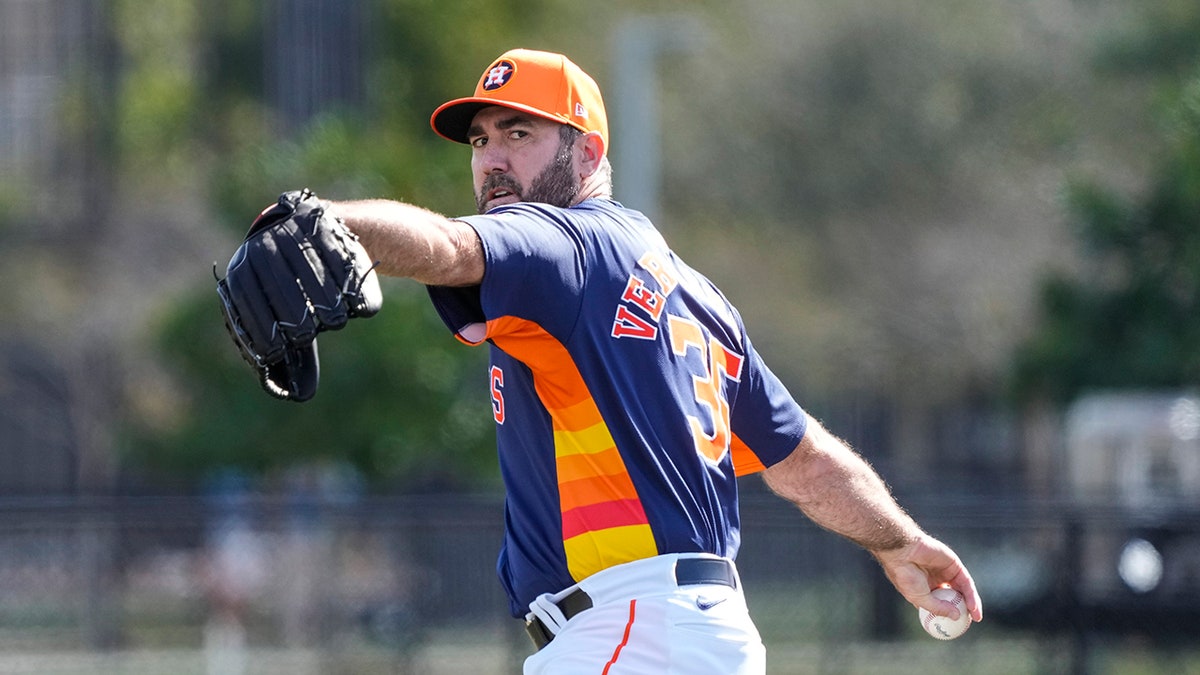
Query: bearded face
x,y
557,184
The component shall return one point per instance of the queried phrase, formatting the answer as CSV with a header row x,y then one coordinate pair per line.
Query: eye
x,y
517,134
478,141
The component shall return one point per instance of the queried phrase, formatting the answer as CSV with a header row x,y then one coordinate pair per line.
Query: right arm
x,y
836,488
409,241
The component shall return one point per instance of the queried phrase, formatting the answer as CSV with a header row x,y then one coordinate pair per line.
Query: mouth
x,y
498,189
499,193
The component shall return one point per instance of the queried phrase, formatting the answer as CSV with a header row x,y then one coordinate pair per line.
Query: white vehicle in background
x,y
1116,551
1135,457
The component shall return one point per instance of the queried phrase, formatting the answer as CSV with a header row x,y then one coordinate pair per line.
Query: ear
x,y
591,153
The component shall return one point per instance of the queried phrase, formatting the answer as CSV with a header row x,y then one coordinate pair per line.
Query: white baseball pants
x,y
643,623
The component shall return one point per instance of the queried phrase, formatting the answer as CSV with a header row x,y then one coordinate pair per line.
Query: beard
x,y
557,185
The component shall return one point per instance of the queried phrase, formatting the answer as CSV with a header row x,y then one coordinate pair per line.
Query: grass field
x,y
487,655
812,629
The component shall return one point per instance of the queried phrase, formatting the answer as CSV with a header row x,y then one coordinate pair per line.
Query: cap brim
x,y
452,120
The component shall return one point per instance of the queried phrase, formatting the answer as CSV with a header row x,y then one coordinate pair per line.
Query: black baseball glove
x,y
299,272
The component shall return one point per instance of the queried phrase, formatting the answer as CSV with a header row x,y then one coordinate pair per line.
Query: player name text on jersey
x,y
641,306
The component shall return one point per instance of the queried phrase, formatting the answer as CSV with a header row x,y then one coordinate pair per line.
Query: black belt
x,y
688,572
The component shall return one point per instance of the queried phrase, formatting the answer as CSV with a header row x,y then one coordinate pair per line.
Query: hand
x,y
298,272
925,564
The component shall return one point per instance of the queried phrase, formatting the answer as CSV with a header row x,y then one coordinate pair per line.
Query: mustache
x,y
501,180
492,182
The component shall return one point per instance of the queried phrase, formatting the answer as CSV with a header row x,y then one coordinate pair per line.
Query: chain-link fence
x,y
239,583
252,584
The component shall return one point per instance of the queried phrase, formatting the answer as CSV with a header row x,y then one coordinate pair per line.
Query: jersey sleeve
x,y
766,421
533,269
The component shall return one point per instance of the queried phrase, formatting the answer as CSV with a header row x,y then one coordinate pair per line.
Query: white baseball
x,y
943,627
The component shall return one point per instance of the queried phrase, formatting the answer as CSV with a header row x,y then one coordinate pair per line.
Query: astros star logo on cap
x,y
499,75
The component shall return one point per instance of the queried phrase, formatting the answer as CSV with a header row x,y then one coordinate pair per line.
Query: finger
x,y
965,585
947,601
953,573
974,602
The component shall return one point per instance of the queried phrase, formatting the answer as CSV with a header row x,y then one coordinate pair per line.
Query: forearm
x,y
409,241
839,491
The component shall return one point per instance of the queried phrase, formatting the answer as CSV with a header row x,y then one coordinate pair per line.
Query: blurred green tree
x,y
1131,316
399,398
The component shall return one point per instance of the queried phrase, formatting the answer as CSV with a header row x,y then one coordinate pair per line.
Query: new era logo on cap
x,y
580,111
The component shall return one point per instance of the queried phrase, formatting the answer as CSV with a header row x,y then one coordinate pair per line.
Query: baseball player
x,y
626,393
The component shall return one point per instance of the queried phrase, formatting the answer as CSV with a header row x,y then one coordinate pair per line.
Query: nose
x,y
490,159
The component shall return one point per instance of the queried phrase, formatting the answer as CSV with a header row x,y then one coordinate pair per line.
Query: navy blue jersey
x,y
626,393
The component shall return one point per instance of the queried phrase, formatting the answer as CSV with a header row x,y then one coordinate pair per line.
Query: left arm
x,y
838,490
410,241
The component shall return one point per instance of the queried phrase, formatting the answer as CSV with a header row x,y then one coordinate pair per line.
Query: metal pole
x,y
634,123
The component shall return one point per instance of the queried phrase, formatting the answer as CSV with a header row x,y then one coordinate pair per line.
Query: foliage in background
x,y
893,174
873,188
399,398
415,56
158,98
1131,317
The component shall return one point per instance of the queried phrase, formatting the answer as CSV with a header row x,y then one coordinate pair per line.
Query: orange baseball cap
x,y
540,83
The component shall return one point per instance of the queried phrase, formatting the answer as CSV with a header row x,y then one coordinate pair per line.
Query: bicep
x,y
785,477
462,257
816,458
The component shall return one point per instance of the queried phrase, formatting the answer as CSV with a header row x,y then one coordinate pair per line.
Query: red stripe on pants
x,y
624,639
